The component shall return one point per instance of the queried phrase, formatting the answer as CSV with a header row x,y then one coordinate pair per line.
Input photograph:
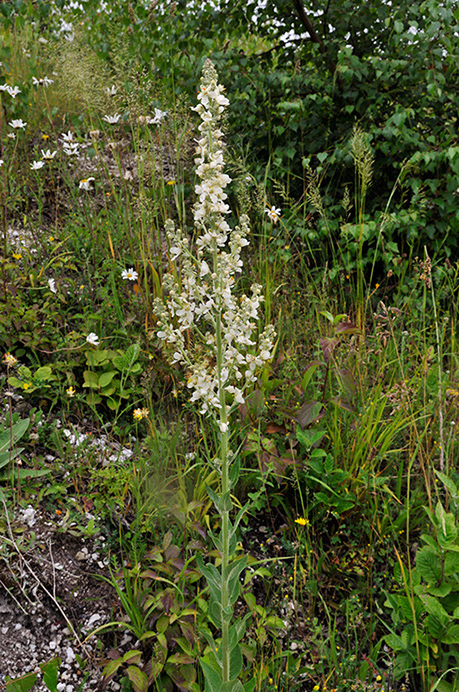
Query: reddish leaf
x,y
328,345
138,678
347,328
309,412
275,428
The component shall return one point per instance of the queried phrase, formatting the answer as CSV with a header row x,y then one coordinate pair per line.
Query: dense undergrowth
x,y
346,439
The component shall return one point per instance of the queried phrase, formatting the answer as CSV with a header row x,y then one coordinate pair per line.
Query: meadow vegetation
x,y
282,466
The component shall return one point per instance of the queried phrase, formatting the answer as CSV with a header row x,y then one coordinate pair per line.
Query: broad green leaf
x,y
451,563
446,524
9,437
5,457
43,373
235,662
91,379
451,636
213,680
429,565
138,678
448,483
435,608
106,378
23,684
50,670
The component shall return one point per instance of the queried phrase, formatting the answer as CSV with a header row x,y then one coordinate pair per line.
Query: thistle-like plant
x,y
209,328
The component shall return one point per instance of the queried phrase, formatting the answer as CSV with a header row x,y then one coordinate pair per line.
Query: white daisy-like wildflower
x,y
129,274
71,148
224,356
92,339
111,91
52,285
42,81
112,119
48,155
86,183
36,165
11,135
68,136
13,91
273,214
18,124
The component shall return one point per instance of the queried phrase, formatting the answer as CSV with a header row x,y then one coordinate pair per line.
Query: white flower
x,y
111,91
92,339
71,148
11,135
112,119
69,137
48,155
85,184
36,165
222,356
18,124
45,81
129,274
273,214
52,285
1,162
13,91
158,117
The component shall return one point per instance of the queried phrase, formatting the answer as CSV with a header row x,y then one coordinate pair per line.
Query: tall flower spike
x,y
222,358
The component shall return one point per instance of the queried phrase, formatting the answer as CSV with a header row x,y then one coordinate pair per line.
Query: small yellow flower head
x,y
9,359
70,392
26,386
378,678
302,521
140,413
316,688
17,255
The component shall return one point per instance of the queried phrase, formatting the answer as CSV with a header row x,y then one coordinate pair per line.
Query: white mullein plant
x,y
210,330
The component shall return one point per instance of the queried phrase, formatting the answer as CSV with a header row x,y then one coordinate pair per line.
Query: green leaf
x,y
448,483
9,437
451,563
232,575
138,678
235,662
309,372
435,608
446,524
429,565
21,684
50,671
91,379
106,378
213,680
43,373
222,502
451,636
